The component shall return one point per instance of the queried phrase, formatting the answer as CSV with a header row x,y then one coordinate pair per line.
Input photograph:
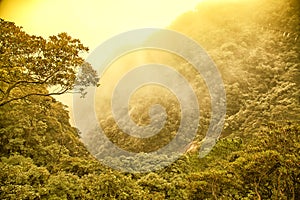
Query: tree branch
x,y
33,94
15,84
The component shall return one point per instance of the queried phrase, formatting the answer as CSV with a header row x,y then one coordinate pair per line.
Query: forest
x,y
255,45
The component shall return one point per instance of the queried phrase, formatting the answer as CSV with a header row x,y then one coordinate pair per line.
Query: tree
x,y
30,64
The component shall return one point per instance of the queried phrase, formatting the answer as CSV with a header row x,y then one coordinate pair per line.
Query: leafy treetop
x,y
30,64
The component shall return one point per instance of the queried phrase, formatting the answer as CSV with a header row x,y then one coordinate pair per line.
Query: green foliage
x,y
21,179
255,46
31,64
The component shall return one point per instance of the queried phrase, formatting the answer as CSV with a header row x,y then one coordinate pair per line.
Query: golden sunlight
x,y
92,21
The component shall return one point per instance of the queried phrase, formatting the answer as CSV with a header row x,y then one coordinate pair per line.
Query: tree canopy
x,y
31,65
255,45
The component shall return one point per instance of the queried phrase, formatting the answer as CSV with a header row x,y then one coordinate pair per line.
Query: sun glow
x,y
92,21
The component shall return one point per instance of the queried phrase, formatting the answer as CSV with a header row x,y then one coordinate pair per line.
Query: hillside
x,y
255,46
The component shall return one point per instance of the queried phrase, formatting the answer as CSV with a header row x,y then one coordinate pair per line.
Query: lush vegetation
x,y
255,45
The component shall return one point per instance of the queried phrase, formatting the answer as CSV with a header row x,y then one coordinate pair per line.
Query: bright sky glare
x,y
91,21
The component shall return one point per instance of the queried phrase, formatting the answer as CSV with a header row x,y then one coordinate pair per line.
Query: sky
x,y
91,21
